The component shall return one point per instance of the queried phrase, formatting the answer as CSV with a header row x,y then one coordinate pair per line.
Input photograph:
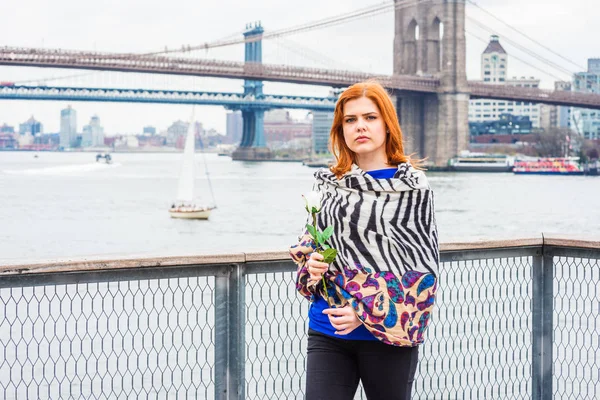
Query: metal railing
x,y
514,319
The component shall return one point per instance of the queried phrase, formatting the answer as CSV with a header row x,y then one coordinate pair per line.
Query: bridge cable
x,y
319,24
529,52
528,37
361,13
520,59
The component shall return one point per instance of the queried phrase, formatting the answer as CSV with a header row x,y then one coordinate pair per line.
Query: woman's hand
x,y
343,319
316,268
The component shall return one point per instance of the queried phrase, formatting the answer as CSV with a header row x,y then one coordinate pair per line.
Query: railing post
x,y
229,334
542,325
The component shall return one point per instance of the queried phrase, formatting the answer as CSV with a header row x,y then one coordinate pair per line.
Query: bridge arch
x,y
410,48
434,46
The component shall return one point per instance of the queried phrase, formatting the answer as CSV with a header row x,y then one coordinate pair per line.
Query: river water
x,y
67,206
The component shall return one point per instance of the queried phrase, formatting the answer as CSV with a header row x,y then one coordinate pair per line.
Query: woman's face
x,y
364,129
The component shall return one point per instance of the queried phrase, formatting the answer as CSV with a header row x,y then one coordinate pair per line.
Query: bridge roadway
x,y
125,62
229,100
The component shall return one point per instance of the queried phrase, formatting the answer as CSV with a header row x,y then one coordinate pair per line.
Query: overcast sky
x,y
569,29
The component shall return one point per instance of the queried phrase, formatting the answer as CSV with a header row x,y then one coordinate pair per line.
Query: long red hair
x,y
393,144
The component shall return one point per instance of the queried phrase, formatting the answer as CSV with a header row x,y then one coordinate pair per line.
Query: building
x,y
321,128
583,121
8,141
176,133
552,116
31,127
507,124
93,133
7,129
68,127
494,70
149,130
234,127
282,131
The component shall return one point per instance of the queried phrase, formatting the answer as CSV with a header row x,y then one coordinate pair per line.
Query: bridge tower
x,y
253,144
429,40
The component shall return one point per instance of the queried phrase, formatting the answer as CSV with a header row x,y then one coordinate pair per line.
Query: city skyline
x,y
373,38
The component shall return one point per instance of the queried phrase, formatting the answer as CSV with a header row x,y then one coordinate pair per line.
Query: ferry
x,y
481,162
549,166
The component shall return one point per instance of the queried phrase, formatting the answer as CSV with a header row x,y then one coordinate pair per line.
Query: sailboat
x,y
185,206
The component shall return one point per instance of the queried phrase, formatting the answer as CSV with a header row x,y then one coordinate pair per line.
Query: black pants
x,y
335,367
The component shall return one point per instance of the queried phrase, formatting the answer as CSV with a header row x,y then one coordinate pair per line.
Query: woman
x,y
383,281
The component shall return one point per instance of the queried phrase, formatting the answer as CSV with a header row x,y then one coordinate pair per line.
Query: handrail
x,y
84,264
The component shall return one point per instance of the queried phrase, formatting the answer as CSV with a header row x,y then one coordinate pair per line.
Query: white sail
x,y
185,190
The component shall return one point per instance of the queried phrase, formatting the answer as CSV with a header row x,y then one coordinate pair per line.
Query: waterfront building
x,y
5,128
494,70
507,124
68,127
282,131
586,122
31,127
322,121
176,133
93,133
234,127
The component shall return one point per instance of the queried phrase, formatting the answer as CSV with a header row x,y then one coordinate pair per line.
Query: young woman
x,y
382,284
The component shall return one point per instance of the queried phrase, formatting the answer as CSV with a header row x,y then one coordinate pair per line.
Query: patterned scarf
x,y
387,242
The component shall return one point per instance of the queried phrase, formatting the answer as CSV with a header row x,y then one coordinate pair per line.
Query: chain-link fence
x,y
519,322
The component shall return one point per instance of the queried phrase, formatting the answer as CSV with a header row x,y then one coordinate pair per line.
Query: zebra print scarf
x,y
383,224
387,242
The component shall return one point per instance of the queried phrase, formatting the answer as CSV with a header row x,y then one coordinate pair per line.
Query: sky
x,y
568,29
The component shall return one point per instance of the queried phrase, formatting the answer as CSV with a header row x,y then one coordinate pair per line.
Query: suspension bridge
x,y
428,83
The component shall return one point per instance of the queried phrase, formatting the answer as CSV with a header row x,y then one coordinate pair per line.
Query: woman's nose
x,y
360,125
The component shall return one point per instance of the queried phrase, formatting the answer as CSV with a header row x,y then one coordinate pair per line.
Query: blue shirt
x,y
319,321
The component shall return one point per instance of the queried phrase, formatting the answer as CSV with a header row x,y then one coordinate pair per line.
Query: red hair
x,y
393,144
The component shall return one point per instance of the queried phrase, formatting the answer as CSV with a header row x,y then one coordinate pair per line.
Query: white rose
x,y
313,201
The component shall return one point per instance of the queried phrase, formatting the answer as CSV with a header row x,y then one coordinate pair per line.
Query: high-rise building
x,y
176,133
93,133
234,127
68,127
31,127
321,128
494,70
584,121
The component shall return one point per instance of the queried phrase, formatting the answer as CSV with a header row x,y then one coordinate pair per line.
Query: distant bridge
x,y
49,58
226,99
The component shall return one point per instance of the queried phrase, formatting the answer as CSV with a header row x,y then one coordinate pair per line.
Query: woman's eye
x,y
348,120
371,117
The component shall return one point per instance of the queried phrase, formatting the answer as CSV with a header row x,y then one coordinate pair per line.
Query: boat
x,y
549,166
185,205
107,158
481,162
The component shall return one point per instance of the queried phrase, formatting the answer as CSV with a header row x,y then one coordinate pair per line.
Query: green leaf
x,y
325,246
329,255
313,232
320,236
327,233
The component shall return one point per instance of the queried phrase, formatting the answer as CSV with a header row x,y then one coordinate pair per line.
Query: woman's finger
x,y
316,256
